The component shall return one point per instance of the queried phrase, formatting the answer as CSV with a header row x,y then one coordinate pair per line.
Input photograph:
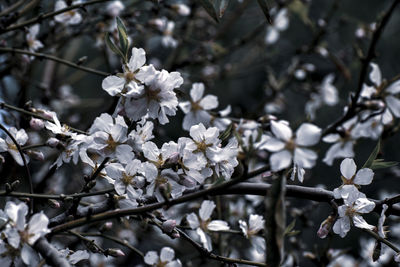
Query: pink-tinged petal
x,y
361,223
209,102
308,134
137,59
281,130
206,209
113,85
348,168
167,254
394,105
364,176
197,91
280,160
375,75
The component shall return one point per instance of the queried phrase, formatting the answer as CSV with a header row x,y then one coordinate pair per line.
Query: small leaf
x,y
301,10
290,227
123,37
380,164
209,7
373,155
265,9
222,7
225,134
112,46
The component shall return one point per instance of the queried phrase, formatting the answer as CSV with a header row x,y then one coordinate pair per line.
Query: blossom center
x,y
290,145
127,179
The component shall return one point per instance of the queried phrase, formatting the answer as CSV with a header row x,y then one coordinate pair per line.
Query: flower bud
x,y
54,203
325,227
168,226
52,142
105,227
36,124
37,155
114,252
181,9
175,234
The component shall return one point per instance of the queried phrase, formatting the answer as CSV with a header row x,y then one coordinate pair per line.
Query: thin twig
x,y
50,15
205,253
54,58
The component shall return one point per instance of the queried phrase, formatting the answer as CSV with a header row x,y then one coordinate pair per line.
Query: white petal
x,y
308,134
167,254
206,209
364,176
209,102
197,91
348,168
218,225
375,75
394,105
193,220
281,130
280,160
151,258
342,226
394,88
274,145
361,223
113,85
137,59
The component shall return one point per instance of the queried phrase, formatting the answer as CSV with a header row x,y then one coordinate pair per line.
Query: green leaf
x,y
222,7
264,7
380,164
210,8
373,155
123,37
301,10
290,227
112,46
225,134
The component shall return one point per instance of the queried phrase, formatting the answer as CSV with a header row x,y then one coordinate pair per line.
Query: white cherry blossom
x,y
8,145
202,223
127,84
165,259
71,17
355,204
196,110
286,148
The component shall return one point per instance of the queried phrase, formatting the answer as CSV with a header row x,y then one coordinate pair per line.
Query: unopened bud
x,y
114,252
325,227
175,234
54,203
107,226
52,142
46,114
37,155
15,185
36,124
181,9
168,226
